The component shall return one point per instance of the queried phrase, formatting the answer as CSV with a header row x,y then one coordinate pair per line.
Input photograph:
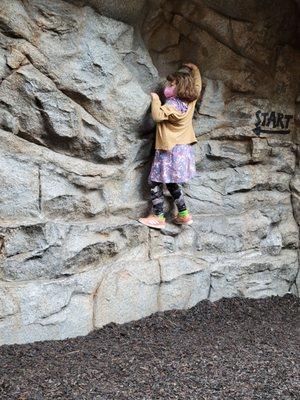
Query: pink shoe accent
x,y
188,220
153,221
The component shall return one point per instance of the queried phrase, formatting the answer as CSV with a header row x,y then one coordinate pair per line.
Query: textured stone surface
x,y
76,142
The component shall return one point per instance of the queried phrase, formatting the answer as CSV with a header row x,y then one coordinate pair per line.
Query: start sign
x,y
278,122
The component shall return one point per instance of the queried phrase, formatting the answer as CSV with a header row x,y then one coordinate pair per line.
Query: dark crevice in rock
x,y
40,189
169,282
210,288
10,33
29,138
259,187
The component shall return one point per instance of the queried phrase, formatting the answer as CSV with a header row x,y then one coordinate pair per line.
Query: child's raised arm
x,y
196,75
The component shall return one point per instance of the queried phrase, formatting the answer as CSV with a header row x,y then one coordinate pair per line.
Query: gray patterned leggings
x,y
157,196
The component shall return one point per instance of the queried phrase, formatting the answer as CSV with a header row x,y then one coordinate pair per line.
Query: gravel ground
x,y
232,349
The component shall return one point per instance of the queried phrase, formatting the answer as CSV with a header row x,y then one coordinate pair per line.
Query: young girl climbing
x,y
174,160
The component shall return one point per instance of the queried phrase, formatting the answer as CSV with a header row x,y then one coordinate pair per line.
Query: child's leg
x,y
157,220
178,197
157,198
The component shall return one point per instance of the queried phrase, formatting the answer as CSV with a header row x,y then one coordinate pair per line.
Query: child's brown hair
x,y
185,85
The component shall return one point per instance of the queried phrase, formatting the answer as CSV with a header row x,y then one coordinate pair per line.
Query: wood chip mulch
x,y
244,349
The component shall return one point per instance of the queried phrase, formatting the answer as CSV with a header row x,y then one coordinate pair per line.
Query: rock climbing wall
x,y
77,140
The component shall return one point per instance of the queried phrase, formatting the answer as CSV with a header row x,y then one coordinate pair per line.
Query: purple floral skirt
x,y
174,166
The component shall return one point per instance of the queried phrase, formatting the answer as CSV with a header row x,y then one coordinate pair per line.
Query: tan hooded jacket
x,y
174,127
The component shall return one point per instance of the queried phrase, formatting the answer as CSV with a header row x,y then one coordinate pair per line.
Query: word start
x,y
272,120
